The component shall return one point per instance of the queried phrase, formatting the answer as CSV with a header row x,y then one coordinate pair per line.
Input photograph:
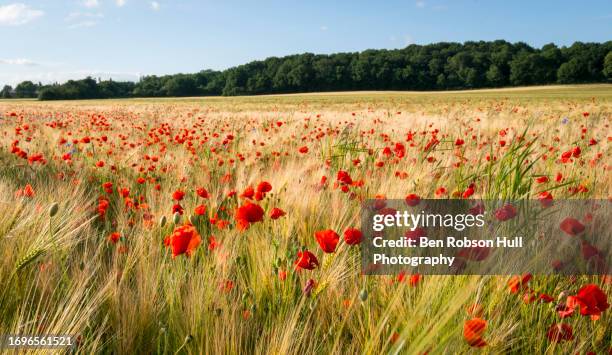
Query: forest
x,y
439,66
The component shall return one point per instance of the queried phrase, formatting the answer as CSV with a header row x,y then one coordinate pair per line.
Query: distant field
x,y
182,225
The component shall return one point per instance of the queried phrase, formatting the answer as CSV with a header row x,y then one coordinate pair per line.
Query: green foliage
x,y
7,92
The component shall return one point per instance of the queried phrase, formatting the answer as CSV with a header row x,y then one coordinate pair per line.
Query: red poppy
x,y
276,213
505,213
592,300
114,237
264,187
344,178
412,200
572,226
28,191
247,214
178,195
560,332
303,150
468,192
200,210
200,191
212,243
352,236
177,208
518,283
328,240
546,199
306,260
473,330
249,192
183,240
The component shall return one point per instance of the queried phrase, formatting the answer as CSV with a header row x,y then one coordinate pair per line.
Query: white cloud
x,y
420,4
120,3
73,16
154,5
82,24
18,14
79,19
91,3
18,61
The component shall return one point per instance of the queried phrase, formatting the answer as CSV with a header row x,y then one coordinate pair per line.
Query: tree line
x,y
439,66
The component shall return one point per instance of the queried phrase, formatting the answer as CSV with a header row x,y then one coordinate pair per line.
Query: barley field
x,y
204,225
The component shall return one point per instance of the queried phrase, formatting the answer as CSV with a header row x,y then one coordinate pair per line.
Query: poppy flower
x,y
200,191
306,260
352,236
344,178
212,243
560,332
412,200
178,195
572,226
546,199
247,214
276,213
303,150
183,240
28,191
249,192
415,279
177,208
518,283
468,192
328,240
505,213
264,187
200,210
114,237
592,300
473,330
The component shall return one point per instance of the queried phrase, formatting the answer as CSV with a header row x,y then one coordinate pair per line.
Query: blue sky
x,y
54,40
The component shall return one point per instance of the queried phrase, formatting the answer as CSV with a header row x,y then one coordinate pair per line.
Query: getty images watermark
x,y
483,237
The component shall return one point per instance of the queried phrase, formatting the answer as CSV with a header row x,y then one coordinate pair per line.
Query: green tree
x,y
607,70
26,89
495,77
7,92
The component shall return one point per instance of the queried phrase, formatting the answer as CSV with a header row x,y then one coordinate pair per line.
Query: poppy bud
x,y
162,221
363,295
193,219
53,209
176,218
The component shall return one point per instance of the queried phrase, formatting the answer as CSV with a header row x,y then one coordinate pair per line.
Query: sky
x,y
55,40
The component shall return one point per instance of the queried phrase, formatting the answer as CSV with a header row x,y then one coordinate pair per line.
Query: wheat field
x,y
182,225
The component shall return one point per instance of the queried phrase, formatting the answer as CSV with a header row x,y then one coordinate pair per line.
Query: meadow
x,y
230,225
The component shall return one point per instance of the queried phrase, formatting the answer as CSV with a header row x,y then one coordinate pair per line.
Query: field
x,y
182,225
